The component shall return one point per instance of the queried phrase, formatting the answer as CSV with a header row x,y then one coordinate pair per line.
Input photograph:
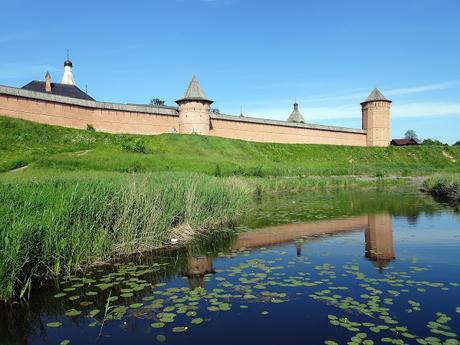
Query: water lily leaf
x,y
157,325
65,342
94,312
86,303
59,295
72,313
135,305
160,338
197,321
180,329
54,324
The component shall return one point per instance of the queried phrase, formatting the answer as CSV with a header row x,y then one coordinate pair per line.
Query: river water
x,y
361,266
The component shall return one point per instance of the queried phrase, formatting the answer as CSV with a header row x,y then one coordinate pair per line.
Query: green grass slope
x,y
24,143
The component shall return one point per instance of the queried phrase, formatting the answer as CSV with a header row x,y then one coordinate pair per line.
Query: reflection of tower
x,y
197,268
379,240
298,249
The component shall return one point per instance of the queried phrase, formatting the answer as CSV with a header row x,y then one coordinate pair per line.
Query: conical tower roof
x,y
194,92
376,95
296,116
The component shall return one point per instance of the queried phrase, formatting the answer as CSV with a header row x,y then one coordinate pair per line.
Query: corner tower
x,y
194,109
376,119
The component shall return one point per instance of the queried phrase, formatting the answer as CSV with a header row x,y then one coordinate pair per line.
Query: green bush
x,y
136,145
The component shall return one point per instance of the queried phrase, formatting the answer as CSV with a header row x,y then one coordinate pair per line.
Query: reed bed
x,y
444,186
54,226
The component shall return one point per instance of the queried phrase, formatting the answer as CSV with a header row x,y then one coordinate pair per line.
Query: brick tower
x,y
194,110
376,119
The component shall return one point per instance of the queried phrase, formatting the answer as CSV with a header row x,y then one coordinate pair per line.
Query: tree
x,y
157,101
432,142
410,134
457,143
215,111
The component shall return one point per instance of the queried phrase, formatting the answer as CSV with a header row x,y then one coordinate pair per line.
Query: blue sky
x,y
260,55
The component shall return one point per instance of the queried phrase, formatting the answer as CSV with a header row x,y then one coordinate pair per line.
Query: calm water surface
x,y
366,267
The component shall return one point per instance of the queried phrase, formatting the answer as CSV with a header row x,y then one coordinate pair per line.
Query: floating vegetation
x,y
363,308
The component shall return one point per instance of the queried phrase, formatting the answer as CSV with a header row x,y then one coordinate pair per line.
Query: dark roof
x,y
404,142
58,89
376,95
194,92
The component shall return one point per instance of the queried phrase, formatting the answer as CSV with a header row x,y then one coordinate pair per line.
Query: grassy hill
x,y
24,143
75,204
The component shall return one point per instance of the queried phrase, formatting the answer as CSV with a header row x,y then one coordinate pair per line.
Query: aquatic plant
x,y
49,227
446,187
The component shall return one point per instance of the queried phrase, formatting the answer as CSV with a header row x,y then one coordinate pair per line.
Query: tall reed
x,y
53,226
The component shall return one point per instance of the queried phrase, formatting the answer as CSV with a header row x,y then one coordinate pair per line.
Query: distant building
x,y
296,116
66,88
404,142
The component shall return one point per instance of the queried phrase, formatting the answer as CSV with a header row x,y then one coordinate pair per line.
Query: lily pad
x,y
180,329
197,321
157,325
160,338
94,312
54,324
72,313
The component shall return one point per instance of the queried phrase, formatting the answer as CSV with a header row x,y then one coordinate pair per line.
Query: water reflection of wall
x,y
379,240
378,231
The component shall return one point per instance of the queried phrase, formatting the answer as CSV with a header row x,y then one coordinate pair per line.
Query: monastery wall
x,y
283,132
75,113
139,119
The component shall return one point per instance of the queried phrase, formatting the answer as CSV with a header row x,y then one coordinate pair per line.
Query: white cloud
x,y
426,109
412,109
359,95
422,88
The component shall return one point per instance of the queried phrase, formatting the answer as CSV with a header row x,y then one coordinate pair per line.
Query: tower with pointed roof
x,y
376,119
296,116
194,109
